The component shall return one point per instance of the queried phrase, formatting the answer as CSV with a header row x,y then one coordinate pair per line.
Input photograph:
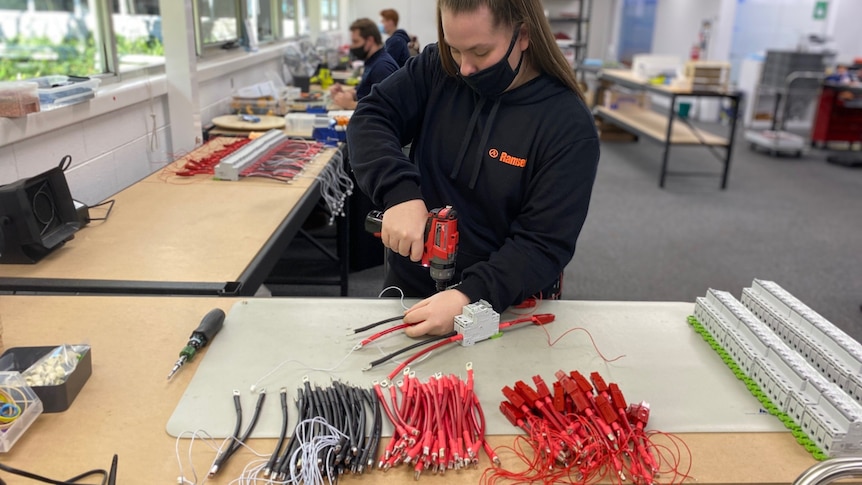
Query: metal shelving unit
x,y
577,27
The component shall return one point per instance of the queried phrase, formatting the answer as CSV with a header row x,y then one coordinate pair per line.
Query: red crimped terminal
x,y
513,414
559,398
598,382
638,413
527,392
617,397
606,411
568,384
543,318
581,402
541,387
528,303
582,382
514,397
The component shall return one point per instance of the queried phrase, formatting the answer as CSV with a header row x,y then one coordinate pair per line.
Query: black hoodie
x,y
518,169
396,46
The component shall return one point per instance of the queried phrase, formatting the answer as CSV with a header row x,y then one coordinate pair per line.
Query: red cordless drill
x,y
441,242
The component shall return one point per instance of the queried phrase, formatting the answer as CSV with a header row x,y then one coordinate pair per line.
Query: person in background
x,y
414,47
396,44
365,45
841,75
500,132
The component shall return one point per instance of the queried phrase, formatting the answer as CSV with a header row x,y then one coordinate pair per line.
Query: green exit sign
x,y
820,9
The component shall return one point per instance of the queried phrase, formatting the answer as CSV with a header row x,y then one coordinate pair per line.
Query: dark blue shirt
x,y
396,46
377,68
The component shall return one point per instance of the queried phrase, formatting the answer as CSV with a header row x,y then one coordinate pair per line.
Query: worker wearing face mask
x,y
500,132
365,45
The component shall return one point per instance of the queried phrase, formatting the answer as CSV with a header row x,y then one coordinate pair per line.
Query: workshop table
x,y
124,406
173,235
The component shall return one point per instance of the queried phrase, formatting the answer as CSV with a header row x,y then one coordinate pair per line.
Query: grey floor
x,y
796,221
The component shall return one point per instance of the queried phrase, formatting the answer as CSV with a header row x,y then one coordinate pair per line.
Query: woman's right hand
x,y
403,228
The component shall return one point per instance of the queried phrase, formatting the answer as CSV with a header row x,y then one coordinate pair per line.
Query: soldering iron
x,y
208,328
441,242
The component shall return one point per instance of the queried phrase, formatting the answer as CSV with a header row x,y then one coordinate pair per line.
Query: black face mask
x,y
359,52
493,81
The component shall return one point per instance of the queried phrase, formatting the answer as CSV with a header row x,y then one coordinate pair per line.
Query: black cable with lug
x,y
391,356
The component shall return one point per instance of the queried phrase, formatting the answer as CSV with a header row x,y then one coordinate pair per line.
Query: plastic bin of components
x,y
57,91
55,398
21,407
259,106
18,99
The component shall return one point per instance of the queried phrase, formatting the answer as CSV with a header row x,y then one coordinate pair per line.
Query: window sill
x,y
113,96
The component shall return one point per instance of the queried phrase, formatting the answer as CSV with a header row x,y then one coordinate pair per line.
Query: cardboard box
x,y
614,99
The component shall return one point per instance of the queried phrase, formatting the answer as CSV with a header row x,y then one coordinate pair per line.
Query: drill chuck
x,y
442,274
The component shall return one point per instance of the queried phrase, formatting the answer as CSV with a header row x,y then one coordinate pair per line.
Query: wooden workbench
x,y
179,235
667,128
125,404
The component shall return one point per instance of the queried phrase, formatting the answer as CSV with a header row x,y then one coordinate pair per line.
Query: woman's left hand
x,y
435,315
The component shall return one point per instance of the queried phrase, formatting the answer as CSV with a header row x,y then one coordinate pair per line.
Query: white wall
x,y
677,25
601,42
845,20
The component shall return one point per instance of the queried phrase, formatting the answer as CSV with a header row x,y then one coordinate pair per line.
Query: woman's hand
x,y
436,314
403,228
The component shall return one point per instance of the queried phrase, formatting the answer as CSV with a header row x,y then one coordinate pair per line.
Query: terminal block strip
x,y
828,349
232,165
830,418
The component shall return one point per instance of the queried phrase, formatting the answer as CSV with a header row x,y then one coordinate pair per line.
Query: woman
x,y
500,132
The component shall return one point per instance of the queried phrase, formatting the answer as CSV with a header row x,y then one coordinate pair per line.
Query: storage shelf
x,y
654,125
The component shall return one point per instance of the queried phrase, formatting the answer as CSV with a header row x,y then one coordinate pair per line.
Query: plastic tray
x,y
56,91
55,399
31,407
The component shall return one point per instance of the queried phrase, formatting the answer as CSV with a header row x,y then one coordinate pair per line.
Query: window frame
x,y
107,60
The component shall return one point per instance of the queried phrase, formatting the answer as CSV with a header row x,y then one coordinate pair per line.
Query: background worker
x,y
397,43
365,45
501,133
841,75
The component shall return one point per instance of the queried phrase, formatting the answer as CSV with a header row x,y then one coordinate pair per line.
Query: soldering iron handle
x,y
210,325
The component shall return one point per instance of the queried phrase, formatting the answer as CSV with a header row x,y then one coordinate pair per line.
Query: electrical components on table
x,y
798,359
477,322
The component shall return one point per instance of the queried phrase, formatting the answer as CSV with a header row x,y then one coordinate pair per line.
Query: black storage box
x,y
55,399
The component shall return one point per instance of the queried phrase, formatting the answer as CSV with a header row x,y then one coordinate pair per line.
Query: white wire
x,y
204,436
194,434
304,366
309,449
393,287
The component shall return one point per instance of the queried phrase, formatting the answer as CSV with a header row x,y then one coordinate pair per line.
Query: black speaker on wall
x,y
37,215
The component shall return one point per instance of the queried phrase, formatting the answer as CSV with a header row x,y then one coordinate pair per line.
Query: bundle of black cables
x,y
347,409
108,477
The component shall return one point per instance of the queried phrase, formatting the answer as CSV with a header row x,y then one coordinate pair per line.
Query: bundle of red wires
x,y
439,424
206,164
583,432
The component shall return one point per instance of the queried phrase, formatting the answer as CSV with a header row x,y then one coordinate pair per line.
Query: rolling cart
x,y
800,89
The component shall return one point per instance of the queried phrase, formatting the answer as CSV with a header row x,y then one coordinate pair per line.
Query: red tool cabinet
x,y
839,115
